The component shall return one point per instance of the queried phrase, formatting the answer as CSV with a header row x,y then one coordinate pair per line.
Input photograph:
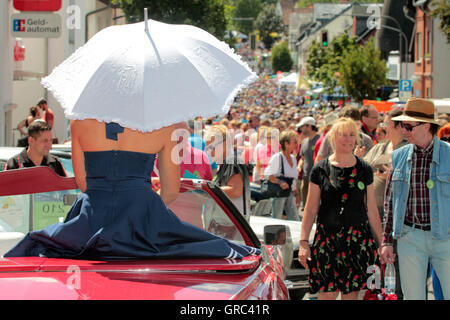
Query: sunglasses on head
x,y
409,127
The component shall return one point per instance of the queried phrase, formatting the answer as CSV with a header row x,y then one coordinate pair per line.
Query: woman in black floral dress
x,y
342,198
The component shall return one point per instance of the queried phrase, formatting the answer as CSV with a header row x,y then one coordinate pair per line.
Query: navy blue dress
x,y
120,216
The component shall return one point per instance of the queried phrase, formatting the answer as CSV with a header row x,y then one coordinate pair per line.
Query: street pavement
x,y
430,295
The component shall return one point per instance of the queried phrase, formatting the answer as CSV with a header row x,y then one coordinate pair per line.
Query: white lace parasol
x,y
148,79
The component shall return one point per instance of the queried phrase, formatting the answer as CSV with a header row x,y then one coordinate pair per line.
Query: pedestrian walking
x,y
365,142
369,121
308,128
282,170
342,198
417,201
379,157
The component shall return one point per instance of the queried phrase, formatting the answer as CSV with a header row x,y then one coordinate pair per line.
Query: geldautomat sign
x,y
36,25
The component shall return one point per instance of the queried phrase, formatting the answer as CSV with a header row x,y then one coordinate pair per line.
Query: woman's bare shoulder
x,y
96,124
91,135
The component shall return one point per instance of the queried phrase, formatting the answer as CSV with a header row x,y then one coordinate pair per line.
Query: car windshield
x,y
197,207
67,164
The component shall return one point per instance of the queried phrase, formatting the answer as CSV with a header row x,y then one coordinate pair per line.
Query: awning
x,y
442,105
290,79
382,106
317,90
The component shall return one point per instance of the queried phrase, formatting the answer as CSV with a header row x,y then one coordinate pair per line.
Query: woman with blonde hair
x,y
341,196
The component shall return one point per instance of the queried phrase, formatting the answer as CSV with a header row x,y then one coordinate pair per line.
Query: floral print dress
x,y
341,255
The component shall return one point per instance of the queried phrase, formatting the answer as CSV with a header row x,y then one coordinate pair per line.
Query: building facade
x,y
20,82
431,56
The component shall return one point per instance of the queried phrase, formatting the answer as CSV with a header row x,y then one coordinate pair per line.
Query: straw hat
x,y
419,110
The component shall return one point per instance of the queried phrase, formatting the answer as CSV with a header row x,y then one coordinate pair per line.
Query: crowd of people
x,y
346,168
337,161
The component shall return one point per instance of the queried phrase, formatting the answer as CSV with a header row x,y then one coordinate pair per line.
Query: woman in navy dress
x,y
118,215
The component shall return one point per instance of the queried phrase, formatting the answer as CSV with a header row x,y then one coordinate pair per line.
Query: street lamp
x,y
399,29
401,33
391,28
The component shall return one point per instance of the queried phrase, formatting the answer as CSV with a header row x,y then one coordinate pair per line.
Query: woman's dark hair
x,y
395,113
33,111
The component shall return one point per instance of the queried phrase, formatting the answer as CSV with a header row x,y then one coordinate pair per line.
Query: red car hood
x,y
44,278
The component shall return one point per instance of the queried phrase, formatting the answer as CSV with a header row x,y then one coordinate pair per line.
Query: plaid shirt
x,y
418,205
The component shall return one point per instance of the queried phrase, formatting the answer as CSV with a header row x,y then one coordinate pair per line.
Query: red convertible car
x,y
28,192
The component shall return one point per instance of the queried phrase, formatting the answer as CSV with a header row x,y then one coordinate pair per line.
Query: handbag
x,y
273,190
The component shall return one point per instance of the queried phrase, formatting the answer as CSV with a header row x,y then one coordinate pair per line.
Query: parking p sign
x,y
405,89
406,85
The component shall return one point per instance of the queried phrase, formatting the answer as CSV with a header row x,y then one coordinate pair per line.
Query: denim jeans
x,y
437,289
288,205
415,249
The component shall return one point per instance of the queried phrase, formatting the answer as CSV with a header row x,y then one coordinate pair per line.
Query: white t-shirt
x,y
274,168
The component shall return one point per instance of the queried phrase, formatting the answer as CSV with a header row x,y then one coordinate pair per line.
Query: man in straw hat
x,y
417,202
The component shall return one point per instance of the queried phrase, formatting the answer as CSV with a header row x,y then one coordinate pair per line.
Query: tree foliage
x,y
362,71
441,9
206,14
307,3
281,58
317,57
245,14
359,70
268,22
323,62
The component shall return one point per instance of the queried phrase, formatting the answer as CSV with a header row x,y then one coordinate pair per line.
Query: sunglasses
x,y
409,127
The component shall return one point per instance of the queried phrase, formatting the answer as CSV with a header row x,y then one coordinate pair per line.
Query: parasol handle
x,y
146,19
